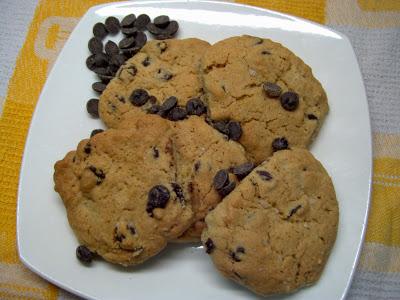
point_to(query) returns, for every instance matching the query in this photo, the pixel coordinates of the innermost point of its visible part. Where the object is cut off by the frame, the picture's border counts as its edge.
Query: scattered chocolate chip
(293, 211)
(265, 52)
(131, 228)
(84, 254)
(92, 107)
(91, 62)
(117, 60)
(178, 192)
(100, 30)
(168, 104)
(272, 89)
(264, 175)
(220, 179)
(96, 131)
(141, 21)
(195, 107)
(240, 249)
(227, 189)
(234, 130)
(119, 237)
(102, 71)
(312, 117)
(209, 246)
(162, 46)
(290, 101)
(128, 21)
(156, 153)
(280, 143)
(129, 31)
(172, 28)
(127, 42)
(221, 126)
(177, 114)
(101, 60)
(153, 29)
(105, 78)
(153, 99)
(243, 170)
(87, 149)
(146, 62)
(197, 166)
(154, 109)
(140, 39)
(95, 45)
(98, 172)
(99, 87)
(234, 256)
(139, 97)
(111, 48)
(157, 198)
(112, 25)
(164, 74)
(161, 21)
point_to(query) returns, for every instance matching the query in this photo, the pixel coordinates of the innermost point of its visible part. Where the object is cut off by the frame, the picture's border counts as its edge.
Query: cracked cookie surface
(246, 79)
(122, 195)
(161, 69)
(274, 232)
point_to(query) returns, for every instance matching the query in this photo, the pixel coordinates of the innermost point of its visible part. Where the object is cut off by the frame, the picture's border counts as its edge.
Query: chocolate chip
(220, 179)
(264, 175)
(142, 21)
(209, 246)
(156, 153)
(101, 60)
(157, 198)
(127, 42)
(164, 74)
(128, 21)
(234, 130)
(227, 189)
(172, 28)
(168, 104)
(221, 126)
(131, 228)
(92, 107)
(178, 192)
(161, 21)
(293, 211)
(153, 99)
(195, 107)
(243, 170)
(280, 143)
(177, 113)
(112, 25)
(100, 30)
(197, 166)
(129, 31)
(96, 131)
(99, 87)
(111, 48)
(162, 46)
(102, 71)
(154, 109)
(139, 97)
(312, 117)
(290, 101)
(91, 62)
(87, 149)
(98, 172)
(163, 36)
(272, 89)
(234, 256)
(240, 249)
(129, 52)
(105, 78)
(140, 39)
(84, 254)
(146, 62)
(153, 29)
(95, 45)
(117, 60)
(119, 237)
(265, 52)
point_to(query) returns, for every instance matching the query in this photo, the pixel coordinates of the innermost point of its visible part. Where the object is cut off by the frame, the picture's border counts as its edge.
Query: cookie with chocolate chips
(161, 69)
(266, 89)
(123, 197)
(273, 233)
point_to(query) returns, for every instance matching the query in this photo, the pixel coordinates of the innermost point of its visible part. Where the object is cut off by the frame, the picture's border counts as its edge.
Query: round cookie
(122, 195)
(270, 91)
(201, 152)
(161, 69)
(274, 232)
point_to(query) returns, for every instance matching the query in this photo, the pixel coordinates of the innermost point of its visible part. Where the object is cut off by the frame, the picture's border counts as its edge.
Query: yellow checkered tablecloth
(373, 27)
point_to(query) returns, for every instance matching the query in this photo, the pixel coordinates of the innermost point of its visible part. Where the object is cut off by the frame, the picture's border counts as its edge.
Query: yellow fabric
(52, 22)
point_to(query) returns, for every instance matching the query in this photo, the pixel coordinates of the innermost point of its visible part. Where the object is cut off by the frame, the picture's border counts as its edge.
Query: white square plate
(46, 243)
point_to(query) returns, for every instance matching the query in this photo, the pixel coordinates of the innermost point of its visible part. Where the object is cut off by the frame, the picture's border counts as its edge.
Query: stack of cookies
(207, 142)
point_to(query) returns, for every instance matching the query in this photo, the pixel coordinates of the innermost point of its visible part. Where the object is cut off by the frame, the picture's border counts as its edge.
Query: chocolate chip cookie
(267, 89)
(162, 78)
(274, 232)
(123, 197)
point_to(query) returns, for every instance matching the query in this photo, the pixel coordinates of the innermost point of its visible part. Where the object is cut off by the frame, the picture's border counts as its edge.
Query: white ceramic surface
(46, 243)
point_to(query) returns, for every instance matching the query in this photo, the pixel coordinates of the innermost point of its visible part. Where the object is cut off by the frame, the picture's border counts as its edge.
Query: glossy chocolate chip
(112, 25)
(178, 192)
(209, 246)
(92, 107)
(227, 189)
(221, 126)
(157, 198)
(264, 175)
(127, 42)
(290, 101)
(177, 114)
(243, 170)
(172, 28)
(91, 62)
(195, 107)
(153, 29)
(100, 30)
(128, 21)
(129, 31)
(272, 89)
(101, 60)
(96, 131)
(169, 104)
(117, 60)
(280, 143)
(99, 87)
(95, 45)
(111, 48)
(146, 62)
(139, 97)
(142, 21)
(140, 39)
(312, 117)
(234, 130)
(84, 254)
(105, 78)
(161, 21)
(220, 179)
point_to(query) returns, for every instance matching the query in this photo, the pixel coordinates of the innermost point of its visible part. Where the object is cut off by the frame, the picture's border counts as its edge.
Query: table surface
(33, 32)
